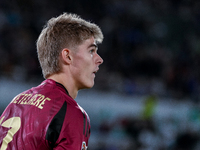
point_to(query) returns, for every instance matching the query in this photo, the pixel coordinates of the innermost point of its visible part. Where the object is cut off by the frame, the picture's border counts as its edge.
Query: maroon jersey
(42, 118)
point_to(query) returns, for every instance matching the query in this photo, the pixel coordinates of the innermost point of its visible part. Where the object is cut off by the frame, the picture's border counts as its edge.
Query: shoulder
(55, 91)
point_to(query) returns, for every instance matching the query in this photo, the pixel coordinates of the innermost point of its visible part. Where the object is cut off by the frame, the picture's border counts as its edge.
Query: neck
(66, 82)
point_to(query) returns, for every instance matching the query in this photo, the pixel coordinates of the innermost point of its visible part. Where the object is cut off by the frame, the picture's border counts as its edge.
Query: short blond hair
(65, 31)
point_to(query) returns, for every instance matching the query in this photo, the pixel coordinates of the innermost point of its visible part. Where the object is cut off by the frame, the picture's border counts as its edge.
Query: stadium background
(146, 95)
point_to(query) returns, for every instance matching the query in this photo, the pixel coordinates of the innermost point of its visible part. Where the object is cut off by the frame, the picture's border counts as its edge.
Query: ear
(66, 55)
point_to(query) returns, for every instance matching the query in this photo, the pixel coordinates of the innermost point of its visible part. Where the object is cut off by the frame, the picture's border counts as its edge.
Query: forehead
(88, 43)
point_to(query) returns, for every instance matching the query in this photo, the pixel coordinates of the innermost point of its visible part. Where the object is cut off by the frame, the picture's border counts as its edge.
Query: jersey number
(14, 124)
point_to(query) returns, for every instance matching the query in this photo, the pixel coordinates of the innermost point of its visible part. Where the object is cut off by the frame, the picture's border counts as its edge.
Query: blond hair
(64, 31)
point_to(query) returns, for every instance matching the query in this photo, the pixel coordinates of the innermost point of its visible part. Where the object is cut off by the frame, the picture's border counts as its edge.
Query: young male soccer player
(47, 116)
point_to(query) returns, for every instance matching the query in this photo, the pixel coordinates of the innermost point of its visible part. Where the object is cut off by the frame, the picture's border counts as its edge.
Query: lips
(96, 71)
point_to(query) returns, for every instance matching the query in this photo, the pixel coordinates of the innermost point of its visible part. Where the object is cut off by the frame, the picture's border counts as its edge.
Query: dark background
(151, 49)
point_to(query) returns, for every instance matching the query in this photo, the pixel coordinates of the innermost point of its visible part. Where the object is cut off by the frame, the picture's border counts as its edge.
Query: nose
(99, 60)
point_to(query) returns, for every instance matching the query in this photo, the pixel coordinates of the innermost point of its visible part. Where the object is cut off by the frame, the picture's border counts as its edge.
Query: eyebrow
(93, 45)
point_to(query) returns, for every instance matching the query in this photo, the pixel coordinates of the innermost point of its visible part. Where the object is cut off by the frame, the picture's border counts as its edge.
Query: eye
(92, 51)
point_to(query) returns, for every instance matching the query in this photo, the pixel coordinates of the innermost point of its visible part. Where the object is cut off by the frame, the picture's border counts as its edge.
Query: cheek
(83, 63)
(82, 68)
(86, 63)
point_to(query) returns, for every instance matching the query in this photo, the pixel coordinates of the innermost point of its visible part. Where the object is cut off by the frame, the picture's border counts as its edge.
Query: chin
(88, 86)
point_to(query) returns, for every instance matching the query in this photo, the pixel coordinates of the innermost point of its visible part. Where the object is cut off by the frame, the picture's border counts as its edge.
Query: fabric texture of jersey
(42, 118)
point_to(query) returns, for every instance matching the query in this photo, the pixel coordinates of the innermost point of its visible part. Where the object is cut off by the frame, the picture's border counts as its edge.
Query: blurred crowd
(147, 130)
(139, 134)
(150, 46)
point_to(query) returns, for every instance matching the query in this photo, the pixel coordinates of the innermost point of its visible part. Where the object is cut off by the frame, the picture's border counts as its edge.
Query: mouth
(95, 71)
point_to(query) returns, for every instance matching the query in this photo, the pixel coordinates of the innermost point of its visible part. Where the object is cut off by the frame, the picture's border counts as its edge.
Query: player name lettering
(37, 100)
